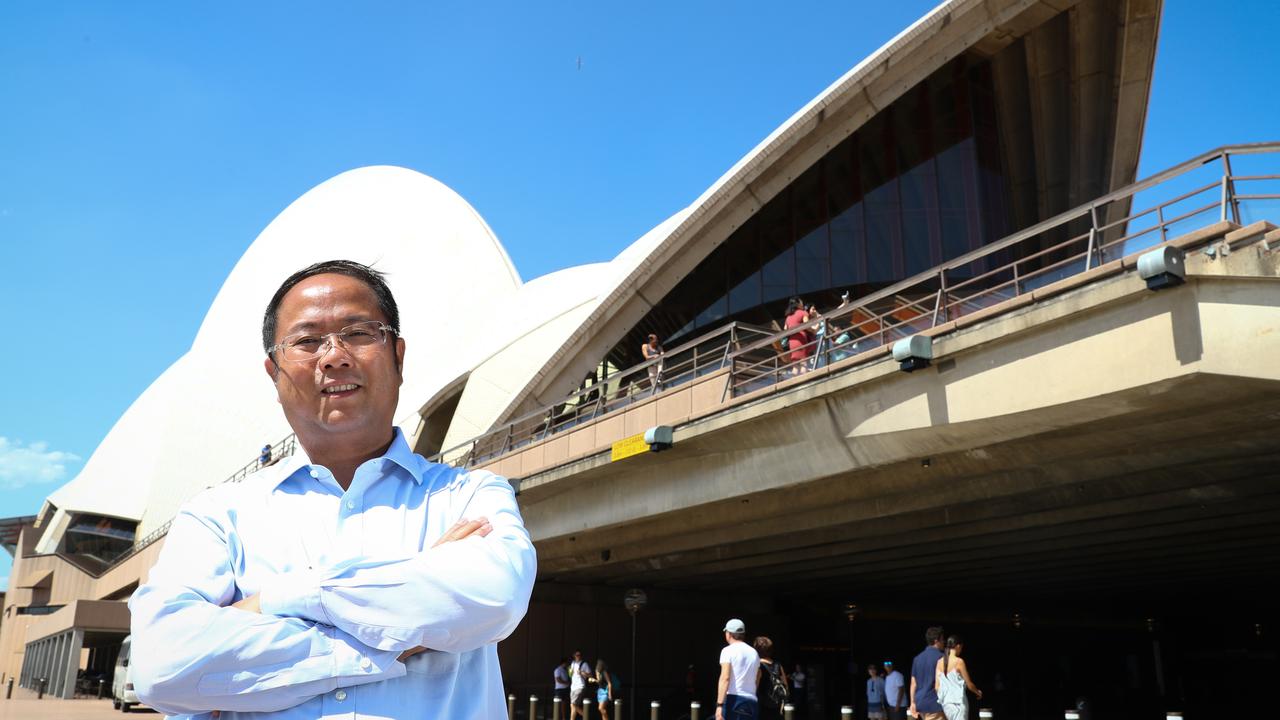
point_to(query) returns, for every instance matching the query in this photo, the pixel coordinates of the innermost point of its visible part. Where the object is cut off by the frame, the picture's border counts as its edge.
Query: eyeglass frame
(328, 341)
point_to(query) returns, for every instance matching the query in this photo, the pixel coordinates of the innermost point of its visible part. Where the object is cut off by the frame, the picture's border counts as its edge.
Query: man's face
(316, 395)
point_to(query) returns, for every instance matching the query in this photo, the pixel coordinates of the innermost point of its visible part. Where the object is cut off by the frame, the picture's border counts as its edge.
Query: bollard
(788, 712)
(617, 709)
(1071, 715)
(986, 714)
(694, 707)
(654, 707)
(511, 707)
(9, 693)
(102, 688)
(40, 688)
(846, 712)
(1173, 715)
(557, 708)
(586, 704)
(533, 707)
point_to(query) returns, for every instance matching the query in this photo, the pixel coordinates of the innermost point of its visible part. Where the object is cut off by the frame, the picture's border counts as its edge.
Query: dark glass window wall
(917, 185)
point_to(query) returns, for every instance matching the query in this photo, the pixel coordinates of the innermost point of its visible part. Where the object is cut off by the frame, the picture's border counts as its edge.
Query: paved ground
(24, 706)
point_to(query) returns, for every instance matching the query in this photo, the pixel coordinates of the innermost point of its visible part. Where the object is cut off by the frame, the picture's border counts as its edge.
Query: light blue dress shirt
(348, 581)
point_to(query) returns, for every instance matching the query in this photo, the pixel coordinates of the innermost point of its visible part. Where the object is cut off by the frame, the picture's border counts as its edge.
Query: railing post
(511, 707)
(9, 693)
(533, 707)
(654, 708)
(557, 708)
(617, 709)
(1225, 176)
(788, 712)
(1088, 253)
(1229, 191)
(694, 707)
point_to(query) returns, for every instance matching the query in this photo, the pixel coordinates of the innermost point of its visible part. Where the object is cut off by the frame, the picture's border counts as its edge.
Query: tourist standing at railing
(817, 331)
(652, 350)
(264, 458)
(798, 341)
(352, 578)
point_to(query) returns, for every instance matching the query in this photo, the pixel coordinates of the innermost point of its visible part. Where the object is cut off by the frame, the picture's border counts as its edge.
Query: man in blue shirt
(924, 698)
(353, 579)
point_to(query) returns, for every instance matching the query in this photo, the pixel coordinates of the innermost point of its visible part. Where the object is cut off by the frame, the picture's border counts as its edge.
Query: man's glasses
(302, 347)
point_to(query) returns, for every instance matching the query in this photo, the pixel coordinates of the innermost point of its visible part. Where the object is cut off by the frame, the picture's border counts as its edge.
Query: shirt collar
(398, 452)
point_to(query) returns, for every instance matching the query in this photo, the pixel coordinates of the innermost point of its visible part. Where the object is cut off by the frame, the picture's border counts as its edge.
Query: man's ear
(271, 367)
(400, 358)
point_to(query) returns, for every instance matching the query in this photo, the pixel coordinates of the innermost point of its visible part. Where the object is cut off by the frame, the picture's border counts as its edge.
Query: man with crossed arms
(354, 579)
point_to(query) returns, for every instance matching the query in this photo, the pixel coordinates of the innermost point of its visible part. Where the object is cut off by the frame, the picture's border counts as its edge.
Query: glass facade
(918, 184)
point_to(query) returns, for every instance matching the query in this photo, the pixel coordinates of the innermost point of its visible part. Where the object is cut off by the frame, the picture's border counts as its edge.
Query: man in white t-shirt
(579, 671)
(739, 664)
(561, 677)
(895, 692)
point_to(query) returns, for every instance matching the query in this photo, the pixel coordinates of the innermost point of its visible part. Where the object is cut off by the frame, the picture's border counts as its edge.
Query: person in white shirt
(561, 678)
(354, 579)
(895, 692)
(580, 673)
(739, 666)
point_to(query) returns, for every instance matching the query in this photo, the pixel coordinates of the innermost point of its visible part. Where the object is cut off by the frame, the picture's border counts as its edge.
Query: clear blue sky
(143, 147)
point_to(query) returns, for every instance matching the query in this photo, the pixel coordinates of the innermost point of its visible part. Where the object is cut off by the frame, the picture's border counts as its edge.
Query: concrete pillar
(55, 673)
(71, 662)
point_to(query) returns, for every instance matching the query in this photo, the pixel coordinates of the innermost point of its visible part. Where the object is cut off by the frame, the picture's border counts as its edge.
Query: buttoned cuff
(295, 594)
(356, 663)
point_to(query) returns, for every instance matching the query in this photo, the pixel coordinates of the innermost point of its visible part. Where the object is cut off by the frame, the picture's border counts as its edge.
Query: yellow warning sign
(626, 447)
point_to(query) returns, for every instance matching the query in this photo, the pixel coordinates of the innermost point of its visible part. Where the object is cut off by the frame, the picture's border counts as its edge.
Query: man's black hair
(374, 279)
(932, 635)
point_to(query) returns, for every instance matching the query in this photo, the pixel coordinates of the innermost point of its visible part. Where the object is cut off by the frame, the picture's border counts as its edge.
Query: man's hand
(719, 713)
(251, 603)
(410, 653)
(465, 528)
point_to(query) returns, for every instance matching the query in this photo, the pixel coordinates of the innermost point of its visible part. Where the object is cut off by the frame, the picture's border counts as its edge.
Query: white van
(122, 695)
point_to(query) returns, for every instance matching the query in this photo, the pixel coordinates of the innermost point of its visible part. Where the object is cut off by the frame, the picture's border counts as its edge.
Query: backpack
(778, 692)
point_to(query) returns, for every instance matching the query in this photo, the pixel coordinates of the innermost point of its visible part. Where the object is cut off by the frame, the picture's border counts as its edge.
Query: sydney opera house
(1038, 408)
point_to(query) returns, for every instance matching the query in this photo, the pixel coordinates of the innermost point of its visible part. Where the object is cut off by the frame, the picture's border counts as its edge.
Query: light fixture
(913, 353)
(658, 438)
(1162, 268)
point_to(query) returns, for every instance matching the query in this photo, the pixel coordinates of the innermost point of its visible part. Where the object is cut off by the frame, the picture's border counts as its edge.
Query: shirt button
(315, 474)
(351, 504)
(366, 663)
(340, 695)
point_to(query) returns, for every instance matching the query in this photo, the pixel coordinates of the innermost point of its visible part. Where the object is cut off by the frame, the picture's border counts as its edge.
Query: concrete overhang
(36, 579)
(89, 615)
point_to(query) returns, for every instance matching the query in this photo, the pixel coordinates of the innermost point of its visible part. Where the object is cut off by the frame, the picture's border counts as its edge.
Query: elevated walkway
(1098, 437)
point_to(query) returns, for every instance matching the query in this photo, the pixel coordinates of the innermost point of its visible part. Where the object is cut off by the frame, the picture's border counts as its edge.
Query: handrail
(910, 305)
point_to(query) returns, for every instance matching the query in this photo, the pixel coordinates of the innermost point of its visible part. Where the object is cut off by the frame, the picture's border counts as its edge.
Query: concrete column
(55, 674)
(71, 662)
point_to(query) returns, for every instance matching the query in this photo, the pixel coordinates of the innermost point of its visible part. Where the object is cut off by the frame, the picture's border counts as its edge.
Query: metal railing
(1076, 241)
(700, 356)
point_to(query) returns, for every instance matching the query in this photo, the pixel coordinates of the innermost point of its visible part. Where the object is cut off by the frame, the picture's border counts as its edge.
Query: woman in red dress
(797, 342)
